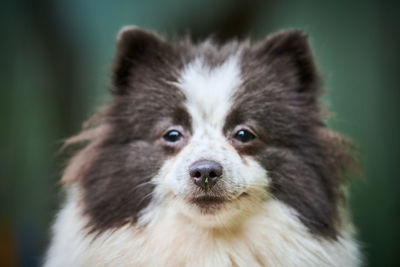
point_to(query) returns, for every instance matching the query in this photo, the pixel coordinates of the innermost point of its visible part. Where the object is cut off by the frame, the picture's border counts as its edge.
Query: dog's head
(211, 132)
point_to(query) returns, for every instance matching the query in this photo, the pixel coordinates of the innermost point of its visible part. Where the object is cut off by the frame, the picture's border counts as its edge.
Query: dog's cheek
(256, 177)
(118, 184)
(172, 179)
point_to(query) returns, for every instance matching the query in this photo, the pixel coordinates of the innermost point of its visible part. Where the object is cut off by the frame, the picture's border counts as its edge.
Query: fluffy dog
(208, 155)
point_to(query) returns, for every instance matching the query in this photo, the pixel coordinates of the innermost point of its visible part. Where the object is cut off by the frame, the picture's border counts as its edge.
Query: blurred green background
(55, 69)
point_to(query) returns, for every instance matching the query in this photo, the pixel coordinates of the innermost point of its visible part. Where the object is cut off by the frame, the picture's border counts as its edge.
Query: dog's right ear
(138, 51)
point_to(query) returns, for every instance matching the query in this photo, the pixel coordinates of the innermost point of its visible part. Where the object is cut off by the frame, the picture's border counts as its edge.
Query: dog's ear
(138, 51)
(288, 54)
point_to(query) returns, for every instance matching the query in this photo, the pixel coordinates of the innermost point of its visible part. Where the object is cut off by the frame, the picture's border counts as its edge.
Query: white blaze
(209, 90)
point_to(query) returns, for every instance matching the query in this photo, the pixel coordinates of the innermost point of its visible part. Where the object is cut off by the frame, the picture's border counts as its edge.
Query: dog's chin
(209, 204)
(215, 211)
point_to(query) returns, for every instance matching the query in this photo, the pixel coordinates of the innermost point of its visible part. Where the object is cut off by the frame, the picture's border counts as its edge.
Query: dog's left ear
(138, 52)
(288, 55)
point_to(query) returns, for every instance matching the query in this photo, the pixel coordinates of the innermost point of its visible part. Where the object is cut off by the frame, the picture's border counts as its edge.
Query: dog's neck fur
(271, 237)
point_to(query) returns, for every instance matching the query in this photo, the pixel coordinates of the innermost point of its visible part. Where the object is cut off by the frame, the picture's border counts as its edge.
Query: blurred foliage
(56, 57)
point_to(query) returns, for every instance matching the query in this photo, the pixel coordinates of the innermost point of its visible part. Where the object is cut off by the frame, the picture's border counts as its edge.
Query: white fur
(272, 237)
(209, 90)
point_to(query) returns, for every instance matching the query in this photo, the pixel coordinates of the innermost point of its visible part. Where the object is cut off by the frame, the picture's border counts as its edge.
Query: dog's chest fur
(273, 237)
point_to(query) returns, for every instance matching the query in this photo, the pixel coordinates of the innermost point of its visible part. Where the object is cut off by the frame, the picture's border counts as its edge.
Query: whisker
(143, 184)
(145, 197)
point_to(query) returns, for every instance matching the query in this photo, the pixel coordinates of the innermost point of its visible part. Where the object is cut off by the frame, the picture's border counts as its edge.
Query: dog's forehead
(209, 89)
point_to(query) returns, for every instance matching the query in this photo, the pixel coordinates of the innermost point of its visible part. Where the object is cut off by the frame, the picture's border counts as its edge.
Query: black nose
(205, 173)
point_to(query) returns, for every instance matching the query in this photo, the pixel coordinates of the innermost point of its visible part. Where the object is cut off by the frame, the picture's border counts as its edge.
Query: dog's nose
(205, 173)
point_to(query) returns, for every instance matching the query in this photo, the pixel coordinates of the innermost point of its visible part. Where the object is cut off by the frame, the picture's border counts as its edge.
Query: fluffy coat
(131, 200)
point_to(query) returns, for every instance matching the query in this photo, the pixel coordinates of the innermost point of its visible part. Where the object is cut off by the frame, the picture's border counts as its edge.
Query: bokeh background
(55, 66)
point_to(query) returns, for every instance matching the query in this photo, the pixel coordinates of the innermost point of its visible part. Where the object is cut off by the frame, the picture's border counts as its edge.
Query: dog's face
(212, 132)
(210, 173)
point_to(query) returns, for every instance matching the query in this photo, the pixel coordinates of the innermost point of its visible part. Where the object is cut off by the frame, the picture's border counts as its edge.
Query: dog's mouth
(208, 204)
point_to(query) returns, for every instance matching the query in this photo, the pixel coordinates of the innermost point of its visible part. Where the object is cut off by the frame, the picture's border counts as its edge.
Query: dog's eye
(244, 136)
(172, 136)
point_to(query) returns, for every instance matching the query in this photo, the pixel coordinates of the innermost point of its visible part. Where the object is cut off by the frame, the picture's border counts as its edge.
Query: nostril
(197, 174)
(212, 174)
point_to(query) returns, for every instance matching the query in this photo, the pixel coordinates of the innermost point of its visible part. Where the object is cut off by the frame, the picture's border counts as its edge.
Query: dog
(208, 155)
